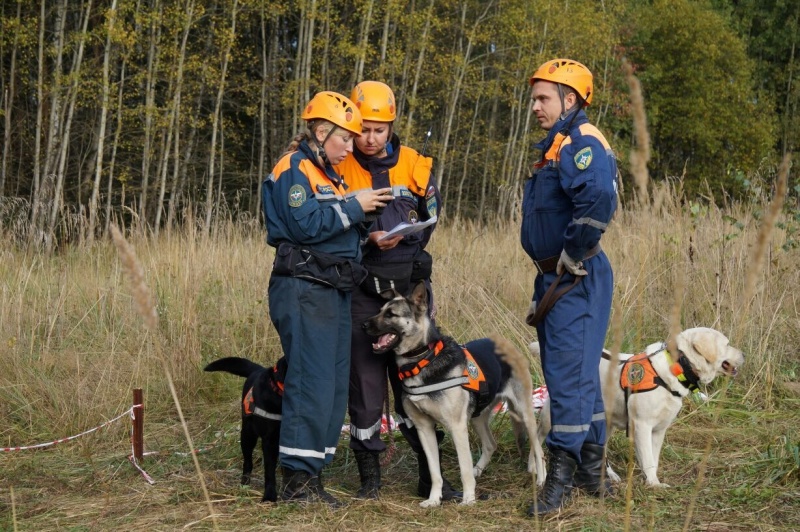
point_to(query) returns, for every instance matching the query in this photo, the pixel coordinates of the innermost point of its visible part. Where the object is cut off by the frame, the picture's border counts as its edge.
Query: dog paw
(467, 502)
(430, 503)
(477, 471)
(656, 484)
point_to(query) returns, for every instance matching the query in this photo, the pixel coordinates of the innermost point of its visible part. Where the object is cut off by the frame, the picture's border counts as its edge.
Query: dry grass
(75, 345)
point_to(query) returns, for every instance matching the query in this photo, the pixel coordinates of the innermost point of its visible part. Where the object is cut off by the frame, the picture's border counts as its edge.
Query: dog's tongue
(383, 342)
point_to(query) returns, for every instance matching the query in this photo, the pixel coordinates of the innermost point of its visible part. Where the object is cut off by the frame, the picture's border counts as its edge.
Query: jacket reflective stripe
(301, 452)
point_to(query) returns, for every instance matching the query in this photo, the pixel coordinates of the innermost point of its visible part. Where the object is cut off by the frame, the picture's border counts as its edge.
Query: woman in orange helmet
(380, 160)
(316, 230)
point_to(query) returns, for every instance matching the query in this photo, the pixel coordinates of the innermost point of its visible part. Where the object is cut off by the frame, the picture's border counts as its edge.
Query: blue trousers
(313, 322)
(571, 338)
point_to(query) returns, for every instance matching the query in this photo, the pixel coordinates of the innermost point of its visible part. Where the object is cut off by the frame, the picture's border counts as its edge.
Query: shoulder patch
(583, 158)
(431, 203)
(297, 195)
(325, 189)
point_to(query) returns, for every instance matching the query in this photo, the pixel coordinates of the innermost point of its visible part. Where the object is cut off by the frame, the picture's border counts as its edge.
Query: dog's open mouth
(729, 368)
(385, 342)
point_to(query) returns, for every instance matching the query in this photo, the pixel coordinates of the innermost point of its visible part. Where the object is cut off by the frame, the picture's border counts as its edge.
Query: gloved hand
(531, 312)
(573, 267)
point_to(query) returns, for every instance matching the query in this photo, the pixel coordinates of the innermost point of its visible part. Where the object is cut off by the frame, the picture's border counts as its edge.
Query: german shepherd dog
(434, 368)
(262, 399)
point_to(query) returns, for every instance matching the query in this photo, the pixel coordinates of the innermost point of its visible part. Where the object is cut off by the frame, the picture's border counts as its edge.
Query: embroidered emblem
(413, 217)
(583, 158)
(430, 201)
(472, 369)
(635, 373)
(297, 195)
(405, 193)
(325, 189)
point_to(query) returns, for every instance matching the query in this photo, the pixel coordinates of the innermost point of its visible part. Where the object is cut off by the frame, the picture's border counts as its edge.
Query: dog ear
(706, 344)
(419, 296)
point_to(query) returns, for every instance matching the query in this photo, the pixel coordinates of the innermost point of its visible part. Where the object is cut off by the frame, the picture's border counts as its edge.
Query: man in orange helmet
(316, 229)
(567, 205)
(380, 160)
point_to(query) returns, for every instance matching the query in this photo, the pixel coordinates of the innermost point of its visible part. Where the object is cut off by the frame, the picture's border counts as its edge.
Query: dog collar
(430, 351)
(684, 371)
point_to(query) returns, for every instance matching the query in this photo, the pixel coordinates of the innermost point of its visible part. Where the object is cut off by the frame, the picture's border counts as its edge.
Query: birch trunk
(75, 74)
(8, 96)
(174, 119)
(37, 151)
(363, 44)
(418, 73)
(215, 122)
(112, 15)
(114, 147)
(152, 67)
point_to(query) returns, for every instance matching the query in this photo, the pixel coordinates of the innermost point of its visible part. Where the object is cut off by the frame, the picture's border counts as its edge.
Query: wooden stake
(138, 424)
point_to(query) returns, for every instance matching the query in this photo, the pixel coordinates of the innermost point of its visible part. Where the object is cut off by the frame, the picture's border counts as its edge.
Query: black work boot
(590, 475)
(555, 492)
(369, 469)
(425, 483)
(300, 486)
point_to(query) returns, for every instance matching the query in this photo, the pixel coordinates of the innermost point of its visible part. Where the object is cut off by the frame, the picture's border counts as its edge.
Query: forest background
(163, 118)
(144, 110)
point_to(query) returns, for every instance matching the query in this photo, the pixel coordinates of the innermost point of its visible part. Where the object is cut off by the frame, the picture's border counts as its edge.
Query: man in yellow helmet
(380, 160)
(316, 230)
(567, 205)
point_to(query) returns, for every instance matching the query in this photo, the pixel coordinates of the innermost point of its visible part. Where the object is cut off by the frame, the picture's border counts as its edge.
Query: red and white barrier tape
(538, 397)
(68, 438)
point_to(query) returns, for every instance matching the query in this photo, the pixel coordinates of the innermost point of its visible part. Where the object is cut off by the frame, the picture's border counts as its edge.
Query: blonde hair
(313, 127)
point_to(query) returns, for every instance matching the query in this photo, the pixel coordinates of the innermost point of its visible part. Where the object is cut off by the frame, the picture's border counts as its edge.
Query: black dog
(262, 399)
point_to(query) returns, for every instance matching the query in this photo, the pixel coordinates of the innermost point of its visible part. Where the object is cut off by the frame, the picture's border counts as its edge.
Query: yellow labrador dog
(645, 392)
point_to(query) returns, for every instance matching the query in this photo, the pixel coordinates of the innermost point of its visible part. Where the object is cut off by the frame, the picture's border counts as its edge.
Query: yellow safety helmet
(334, 108)
(567, 72)
(375, 100)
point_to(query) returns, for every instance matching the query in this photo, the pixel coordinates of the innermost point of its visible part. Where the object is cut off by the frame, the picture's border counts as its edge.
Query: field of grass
(75, 342)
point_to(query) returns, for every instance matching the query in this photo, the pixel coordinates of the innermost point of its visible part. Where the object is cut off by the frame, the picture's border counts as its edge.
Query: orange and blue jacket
(306, 204)
(416, 197)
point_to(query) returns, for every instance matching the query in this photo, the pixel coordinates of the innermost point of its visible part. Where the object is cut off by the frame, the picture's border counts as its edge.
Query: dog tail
(520, 366)
(534, 348)
(235, 365)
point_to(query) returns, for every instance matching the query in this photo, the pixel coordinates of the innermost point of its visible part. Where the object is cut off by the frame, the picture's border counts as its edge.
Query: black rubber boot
(590, 475)
(299, 486)
(425, 483)
(369, 469)
(558, 485)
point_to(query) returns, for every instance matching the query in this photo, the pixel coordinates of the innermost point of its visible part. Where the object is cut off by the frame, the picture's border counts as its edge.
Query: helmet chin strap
(320, 145)
(561, 97)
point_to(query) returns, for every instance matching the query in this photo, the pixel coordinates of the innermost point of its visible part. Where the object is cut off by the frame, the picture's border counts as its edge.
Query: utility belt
(323, 268)
(400, 276)
(554, 293)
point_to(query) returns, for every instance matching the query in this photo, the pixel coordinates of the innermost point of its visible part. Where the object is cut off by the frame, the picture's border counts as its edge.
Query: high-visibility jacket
(416, 197)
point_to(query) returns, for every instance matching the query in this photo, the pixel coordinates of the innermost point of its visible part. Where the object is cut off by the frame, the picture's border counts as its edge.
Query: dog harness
(637, 374)
(473, 380)
(249, 403)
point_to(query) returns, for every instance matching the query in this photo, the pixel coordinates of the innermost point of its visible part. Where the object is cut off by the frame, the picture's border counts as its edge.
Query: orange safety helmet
(375, 100)
(334, 108)
(567, 72)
